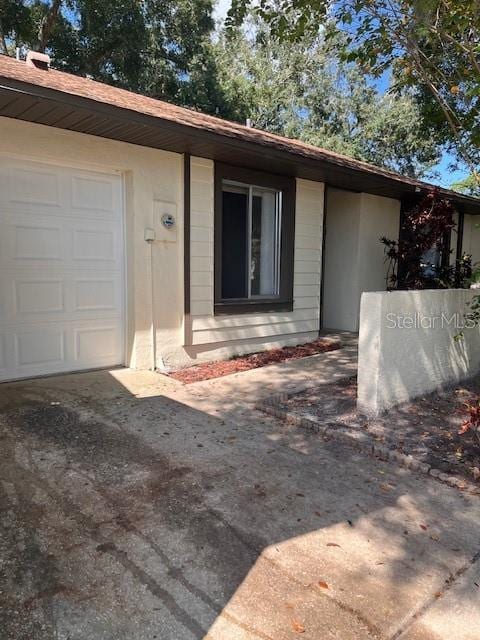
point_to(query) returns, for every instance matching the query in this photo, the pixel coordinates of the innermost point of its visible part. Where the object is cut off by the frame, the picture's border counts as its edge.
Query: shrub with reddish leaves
(425, 227)
(472, 423)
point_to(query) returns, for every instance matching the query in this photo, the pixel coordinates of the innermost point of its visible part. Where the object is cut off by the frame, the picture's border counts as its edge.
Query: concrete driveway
(135, 508)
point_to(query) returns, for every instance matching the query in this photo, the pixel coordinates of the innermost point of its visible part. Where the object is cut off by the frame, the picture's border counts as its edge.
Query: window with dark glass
(254, 237)
(251, 237)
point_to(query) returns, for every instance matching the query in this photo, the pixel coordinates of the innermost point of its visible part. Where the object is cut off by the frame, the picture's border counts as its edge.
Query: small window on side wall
(254, 241)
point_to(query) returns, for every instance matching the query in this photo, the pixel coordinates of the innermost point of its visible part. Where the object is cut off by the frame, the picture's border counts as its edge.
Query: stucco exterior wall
(213, 336)
(341, 277)
(153, 186)
(471, 237)
(354, 258)
(407, 346)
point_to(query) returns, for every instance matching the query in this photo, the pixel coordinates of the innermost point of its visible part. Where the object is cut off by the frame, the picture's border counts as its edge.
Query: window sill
(256, 306)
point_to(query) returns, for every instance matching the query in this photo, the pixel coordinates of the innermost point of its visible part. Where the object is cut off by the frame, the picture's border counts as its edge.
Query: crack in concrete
(449, 583)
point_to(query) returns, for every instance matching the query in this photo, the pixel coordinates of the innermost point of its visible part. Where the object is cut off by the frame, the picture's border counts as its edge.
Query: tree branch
(405, 40)
(47, 25)
(3, 42)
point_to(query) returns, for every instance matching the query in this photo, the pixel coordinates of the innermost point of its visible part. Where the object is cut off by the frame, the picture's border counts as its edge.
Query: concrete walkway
(136, 508)
(235, 394)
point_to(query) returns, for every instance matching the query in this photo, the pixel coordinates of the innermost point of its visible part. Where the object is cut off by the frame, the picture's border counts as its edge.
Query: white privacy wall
(354, 257)
(407, 346)
(209, 336)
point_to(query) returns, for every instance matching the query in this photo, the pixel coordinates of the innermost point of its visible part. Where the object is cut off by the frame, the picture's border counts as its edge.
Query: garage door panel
(76, 296)
(27, 240)
(30, 184)
(37, 242)
(28, 243)
(4, 183)
(61, 269)
(96, 345)
(34, 186)
(6, 301)
(38, 347)
(59, 190)
(3, 360)
(93, 194)
(37, 296)
(96, 294)
(47, 348)
(95, 244)
(62, 212)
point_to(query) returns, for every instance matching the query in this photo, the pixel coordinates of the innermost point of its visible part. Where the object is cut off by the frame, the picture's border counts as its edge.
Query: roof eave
(51, 107)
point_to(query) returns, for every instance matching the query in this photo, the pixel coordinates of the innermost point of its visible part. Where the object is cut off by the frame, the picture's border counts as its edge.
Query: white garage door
(61, 269)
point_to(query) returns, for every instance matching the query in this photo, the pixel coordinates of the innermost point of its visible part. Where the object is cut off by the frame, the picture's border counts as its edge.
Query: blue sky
(221, 8)
(446, 175)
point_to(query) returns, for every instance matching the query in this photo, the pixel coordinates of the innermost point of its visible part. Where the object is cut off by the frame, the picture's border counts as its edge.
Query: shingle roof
(102, 93)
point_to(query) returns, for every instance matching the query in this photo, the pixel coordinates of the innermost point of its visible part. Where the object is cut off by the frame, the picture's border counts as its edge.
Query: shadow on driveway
(128, 517)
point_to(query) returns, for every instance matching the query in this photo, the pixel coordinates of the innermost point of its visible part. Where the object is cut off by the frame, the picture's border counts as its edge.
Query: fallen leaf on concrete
(385, 487)
(332, 544)
(323, 584)
(424, 527)
(298, 626)
(434, 537)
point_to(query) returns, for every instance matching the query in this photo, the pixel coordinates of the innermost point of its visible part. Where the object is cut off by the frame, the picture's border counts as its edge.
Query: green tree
(28, 24)
(433, 46)
(158, 47)
(469, 185)
(305, 90)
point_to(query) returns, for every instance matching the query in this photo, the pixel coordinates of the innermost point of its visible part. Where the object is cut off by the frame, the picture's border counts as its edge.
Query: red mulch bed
(221, 368)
